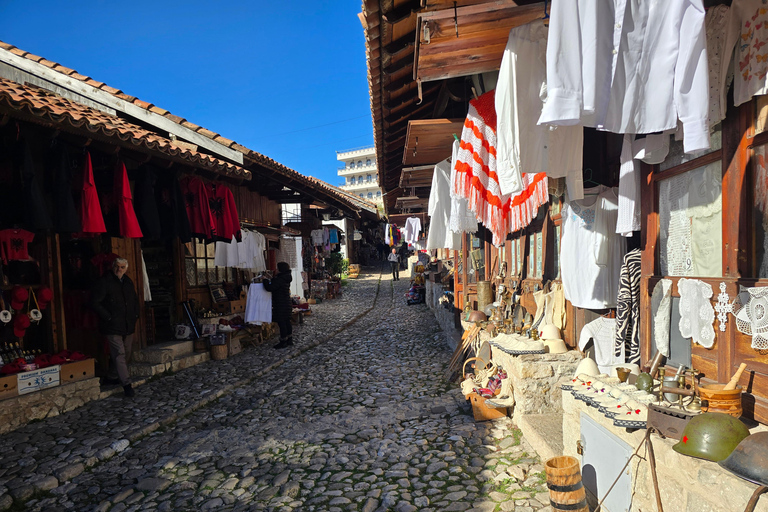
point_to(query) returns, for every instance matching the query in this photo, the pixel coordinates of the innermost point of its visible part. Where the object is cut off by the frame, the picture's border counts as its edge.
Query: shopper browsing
(394, 260)
(280, 286)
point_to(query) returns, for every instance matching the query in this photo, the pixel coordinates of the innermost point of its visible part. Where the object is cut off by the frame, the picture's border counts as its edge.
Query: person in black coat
(114, 299)
(280, 286)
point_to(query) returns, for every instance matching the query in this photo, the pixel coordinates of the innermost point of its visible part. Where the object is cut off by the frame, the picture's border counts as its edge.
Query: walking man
(115, 301)
(280, 286)
(394, 260)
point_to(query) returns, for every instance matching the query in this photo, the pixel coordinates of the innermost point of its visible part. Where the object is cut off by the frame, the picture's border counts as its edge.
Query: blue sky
(286, 79)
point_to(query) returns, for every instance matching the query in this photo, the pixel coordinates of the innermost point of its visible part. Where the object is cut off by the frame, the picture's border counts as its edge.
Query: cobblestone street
(356, 416)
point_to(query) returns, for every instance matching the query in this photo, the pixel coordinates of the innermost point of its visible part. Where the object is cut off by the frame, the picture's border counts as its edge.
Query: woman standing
(280, 286)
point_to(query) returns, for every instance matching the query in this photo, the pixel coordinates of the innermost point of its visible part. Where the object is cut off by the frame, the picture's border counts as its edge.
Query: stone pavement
(357, 416)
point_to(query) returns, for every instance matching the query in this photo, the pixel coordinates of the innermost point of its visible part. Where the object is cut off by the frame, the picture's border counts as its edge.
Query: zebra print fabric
(627, 342)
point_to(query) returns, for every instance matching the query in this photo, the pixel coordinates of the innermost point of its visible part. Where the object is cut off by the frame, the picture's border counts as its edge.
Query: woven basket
(218, 352)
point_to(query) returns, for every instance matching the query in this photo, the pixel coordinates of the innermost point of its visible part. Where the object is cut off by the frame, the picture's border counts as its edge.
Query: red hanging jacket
(129, 225)
(222, 206)
(90, 210)
(201, 221)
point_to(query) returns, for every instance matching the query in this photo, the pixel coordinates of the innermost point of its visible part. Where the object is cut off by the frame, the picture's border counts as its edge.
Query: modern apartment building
(361, 177)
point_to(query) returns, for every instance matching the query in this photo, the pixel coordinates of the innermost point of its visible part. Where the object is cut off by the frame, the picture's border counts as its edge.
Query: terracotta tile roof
(44, 106)
(248, 153)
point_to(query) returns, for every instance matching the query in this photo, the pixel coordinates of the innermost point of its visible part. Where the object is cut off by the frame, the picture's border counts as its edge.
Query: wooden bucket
(200, 345)
(727, 402)
(566, 491)
(218, 352)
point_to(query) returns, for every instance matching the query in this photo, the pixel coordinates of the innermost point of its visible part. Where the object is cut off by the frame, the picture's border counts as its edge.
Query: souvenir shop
(606, 248)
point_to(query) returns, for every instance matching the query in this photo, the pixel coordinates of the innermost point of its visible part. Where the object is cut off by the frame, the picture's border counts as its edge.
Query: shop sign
(39, 379)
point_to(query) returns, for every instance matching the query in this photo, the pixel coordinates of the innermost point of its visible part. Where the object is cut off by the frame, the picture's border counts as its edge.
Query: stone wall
(443, 316)
(686, 484)
(20, 410)
(536, 379)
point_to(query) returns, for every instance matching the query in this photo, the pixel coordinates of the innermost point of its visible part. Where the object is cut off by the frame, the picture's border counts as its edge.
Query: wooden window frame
(731, 347)
(195, 258)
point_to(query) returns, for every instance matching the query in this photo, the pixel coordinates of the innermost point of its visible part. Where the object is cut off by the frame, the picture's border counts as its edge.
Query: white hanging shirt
(439, 236)
(628, 216)
(603, 333)
(522, 146)
(622, 66)
(317, 236)
(746, 30)
(226, 254)
(462, 219)
(412, 230)
(258, 305)
(591, 252)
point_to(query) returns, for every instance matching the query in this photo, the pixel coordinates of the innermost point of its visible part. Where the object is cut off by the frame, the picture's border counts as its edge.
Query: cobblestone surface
(357, 417)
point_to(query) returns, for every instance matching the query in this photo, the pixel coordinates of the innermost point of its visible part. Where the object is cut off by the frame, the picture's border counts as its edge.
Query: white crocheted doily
(696, 312)
(750, 307)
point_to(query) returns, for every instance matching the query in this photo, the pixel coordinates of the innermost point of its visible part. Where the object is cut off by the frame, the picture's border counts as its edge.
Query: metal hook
(456, 18)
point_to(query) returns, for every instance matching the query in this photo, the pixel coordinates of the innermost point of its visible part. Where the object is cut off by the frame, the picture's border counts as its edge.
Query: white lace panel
(690, 222)
(661, 309)
(696, 312)
(750, 308)
(715, 21)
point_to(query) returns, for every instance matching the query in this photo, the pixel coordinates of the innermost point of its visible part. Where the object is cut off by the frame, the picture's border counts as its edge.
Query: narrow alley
(355, 416)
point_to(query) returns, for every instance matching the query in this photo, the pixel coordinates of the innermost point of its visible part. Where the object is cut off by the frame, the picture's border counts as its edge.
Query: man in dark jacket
(114, 299)
(280, 286)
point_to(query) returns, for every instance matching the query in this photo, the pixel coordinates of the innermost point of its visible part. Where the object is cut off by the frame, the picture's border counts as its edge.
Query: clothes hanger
(546, 14)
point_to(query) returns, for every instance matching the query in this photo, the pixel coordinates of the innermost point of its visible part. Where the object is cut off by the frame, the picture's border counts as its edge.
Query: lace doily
(750, 307)
(661, 309)
(723, 307)
(696, 313)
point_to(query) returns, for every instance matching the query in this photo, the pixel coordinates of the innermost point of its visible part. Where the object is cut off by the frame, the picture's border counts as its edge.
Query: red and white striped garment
(476, 177)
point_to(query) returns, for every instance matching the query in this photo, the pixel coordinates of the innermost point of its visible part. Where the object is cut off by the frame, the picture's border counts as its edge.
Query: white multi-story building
(361, 177)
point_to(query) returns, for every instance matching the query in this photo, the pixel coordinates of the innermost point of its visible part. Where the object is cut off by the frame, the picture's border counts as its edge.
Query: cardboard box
(9, 387)
(78, 370)
(36, 380)
(230, 307)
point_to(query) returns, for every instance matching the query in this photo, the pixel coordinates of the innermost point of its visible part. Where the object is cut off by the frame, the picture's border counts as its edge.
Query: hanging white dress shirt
(462, 219)
(522, 146)
(629, 66)
(439, 236)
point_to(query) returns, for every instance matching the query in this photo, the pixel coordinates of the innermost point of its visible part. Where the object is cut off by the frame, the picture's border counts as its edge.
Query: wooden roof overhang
(429, 141)
(393, 30)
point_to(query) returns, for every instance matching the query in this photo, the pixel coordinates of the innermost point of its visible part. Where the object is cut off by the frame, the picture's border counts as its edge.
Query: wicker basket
(218, 352)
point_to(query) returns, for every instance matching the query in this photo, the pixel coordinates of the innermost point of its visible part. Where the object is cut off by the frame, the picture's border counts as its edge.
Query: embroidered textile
(747, 31)
(201, 221)
(723, 307)
(696, 313)
(221, 201)
(627, 342)
(14, 244)
(91, 217)
(477, 179)
(661, 310)
(258, 305)
(412, 230)
(750, 307)
(439, 210)
(716, 21)
(129, 224)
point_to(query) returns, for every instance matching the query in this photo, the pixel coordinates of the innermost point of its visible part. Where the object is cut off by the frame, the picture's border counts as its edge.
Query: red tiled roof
(248, 153)
(44, 105)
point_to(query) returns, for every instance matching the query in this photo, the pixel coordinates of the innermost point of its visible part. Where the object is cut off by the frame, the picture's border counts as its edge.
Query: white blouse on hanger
(439, 236)
(258, 305)
(591, 251)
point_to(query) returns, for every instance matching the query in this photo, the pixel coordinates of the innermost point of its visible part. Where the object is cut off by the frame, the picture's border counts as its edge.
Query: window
(351, 164)
(378, 193)
(362, 196)
(368, 162)
(199, 266)
(368, 178)
(359, 163)
(370, 195)
(291, 213)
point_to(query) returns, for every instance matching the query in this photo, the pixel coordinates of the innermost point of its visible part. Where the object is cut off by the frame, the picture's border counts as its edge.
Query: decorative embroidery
(587, 215)
(750, 307)
(723, 307)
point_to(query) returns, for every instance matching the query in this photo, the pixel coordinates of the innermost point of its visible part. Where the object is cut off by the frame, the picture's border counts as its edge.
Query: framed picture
(218, 294)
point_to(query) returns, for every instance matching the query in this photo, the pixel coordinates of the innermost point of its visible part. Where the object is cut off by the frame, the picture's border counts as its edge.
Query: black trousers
(286, 329)
(395, 269)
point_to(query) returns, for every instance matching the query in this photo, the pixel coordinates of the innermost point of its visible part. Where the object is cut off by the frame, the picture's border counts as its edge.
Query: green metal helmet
(644, 381)
(750, 459)
(712, 436)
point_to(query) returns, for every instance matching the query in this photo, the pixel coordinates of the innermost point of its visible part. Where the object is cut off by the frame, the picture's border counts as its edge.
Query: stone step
(544, 432)
(173, 365)
(163, 352)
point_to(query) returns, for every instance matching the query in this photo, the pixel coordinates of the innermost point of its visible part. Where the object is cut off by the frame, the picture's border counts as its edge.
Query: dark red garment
(201, 221)
(222, 205)
(90, 208)
(14, 244)
(129, 225)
